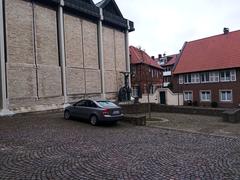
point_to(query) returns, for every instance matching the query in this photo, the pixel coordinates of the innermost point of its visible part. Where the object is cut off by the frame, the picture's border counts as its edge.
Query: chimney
(153, 57)
(225, 30)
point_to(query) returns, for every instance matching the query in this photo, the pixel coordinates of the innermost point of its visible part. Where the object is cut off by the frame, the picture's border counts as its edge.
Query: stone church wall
(33, 66)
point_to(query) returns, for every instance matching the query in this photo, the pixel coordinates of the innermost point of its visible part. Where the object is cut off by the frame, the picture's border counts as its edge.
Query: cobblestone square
(45, 146)
(212, 125)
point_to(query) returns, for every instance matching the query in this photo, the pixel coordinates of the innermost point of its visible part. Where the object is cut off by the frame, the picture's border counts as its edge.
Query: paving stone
(45, 146)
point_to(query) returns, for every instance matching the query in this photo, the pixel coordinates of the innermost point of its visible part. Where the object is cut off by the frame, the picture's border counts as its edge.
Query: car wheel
(93, 120)
(67, 115)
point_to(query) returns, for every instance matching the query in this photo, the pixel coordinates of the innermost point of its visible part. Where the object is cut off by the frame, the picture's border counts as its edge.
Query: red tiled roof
(139, 56)
(212, 53)
(172, 61)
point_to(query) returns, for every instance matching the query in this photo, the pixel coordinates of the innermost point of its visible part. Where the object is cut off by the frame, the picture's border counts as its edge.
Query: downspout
(127, 52)
(4, 111)
(62, 50)
(100, 54)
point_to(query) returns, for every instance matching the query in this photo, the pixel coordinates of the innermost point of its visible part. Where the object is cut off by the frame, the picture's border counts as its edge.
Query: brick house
(57, 51)
(146, 72)
(208, 71)
(168, 64)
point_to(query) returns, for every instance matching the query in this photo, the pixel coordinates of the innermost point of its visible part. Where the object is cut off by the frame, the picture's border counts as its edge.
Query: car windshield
(106, 104)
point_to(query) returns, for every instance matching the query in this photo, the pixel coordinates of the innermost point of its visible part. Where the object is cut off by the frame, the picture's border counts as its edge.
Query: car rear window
(106, 104)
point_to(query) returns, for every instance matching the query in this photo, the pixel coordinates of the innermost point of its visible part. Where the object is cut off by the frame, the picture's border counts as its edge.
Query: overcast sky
(164, 25)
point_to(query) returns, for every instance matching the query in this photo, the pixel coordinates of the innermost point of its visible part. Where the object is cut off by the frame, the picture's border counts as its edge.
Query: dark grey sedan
(94, 111)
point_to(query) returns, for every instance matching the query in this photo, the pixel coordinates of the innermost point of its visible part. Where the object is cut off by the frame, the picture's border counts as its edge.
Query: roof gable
(172, 61)
(212, 53)
(84, 8)
(139, 56)
(110, 6)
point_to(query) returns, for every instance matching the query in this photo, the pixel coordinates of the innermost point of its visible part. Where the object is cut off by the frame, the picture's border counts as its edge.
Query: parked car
(94, 111)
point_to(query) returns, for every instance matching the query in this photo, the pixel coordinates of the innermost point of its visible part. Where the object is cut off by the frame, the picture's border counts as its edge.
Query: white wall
(153, 98)
(171, 98)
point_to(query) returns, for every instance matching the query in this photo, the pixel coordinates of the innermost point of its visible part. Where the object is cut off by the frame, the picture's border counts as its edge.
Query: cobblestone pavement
(195, 123)
(49, 147)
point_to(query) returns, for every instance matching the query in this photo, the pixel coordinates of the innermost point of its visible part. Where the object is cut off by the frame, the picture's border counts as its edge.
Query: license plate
(116, 112)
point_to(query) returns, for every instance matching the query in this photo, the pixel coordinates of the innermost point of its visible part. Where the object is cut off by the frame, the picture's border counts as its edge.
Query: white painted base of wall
(153, 98)
(6, 112)
(174, 99)
(66, 105)
(38, 108)
(103, 96)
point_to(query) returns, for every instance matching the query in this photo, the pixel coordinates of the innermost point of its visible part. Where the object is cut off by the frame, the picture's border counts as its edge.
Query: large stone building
(57, 51)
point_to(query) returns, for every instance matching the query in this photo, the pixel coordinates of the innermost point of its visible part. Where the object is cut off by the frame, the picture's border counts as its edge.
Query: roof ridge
(143, 57)
(211, 53)
(230, 32)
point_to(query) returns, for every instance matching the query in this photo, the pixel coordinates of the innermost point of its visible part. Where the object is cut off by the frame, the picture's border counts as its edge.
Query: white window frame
(151, 89)
(232, 76)
(214, 76)
(225, 90)
(188, 77)
(180, 79)
(205, 77)
(205, 91)
(195, 78)
(188, 99)
(225, 78)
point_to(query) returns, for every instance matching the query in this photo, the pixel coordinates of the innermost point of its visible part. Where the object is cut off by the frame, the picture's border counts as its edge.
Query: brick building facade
(57, 51)
(208, 71)
(147, 74)
(225, 94)
(168, 64)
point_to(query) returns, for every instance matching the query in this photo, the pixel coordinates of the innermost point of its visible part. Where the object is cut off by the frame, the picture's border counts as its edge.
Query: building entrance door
(162, 97)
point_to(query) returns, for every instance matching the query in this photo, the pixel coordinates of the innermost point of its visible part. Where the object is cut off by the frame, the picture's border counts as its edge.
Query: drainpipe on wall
(127, 51)
(62, 50)
(4, 111)
(100, 54)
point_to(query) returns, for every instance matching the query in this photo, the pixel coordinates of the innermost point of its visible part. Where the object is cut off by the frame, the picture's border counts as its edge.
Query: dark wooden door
(162, 97)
